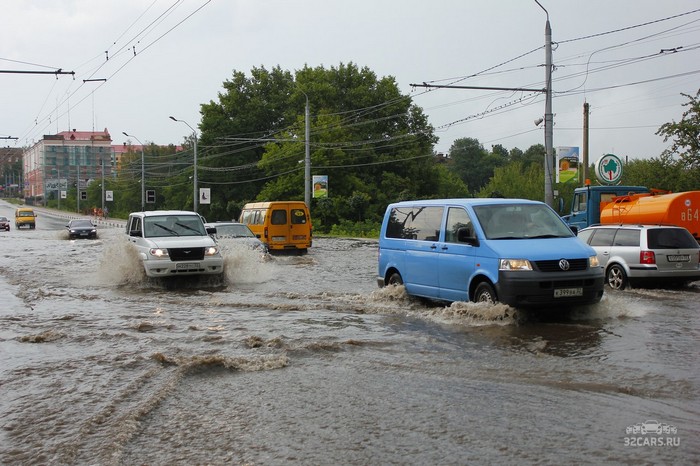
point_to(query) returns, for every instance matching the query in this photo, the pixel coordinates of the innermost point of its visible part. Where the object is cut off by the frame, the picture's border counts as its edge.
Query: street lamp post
(195, 197)
(143, 174)
(58, 190)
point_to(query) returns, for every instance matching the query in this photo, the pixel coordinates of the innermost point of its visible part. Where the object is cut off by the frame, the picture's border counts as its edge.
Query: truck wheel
(485, 293)
(616, 277)
(395, 279)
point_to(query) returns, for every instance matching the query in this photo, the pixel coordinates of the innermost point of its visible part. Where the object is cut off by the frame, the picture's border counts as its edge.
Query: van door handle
(433, 247)
(444, 248)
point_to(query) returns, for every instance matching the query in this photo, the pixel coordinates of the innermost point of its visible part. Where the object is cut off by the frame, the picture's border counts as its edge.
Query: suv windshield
(520, 221)
(173, 225)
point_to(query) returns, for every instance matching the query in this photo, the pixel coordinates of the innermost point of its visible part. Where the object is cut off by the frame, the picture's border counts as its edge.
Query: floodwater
(303, 360)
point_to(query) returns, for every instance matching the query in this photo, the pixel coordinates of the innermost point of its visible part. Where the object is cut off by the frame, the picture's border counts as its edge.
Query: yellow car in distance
(25, 216)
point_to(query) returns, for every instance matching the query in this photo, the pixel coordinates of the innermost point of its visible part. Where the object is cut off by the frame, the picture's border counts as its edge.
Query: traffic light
(150, 196)
(83, 195)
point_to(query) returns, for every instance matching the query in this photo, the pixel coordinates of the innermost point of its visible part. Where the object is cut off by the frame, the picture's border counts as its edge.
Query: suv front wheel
(616, 277)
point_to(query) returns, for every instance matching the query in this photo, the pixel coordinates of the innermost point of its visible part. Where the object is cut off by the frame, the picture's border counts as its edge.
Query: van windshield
(520, 221)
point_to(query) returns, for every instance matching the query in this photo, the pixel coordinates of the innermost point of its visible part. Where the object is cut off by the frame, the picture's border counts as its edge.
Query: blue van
(514, 251)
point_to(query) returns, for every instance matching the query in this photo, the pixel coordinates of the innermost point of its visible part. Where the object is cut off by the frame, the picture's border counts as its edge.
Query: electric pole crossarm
(486, 88)
(57, 72)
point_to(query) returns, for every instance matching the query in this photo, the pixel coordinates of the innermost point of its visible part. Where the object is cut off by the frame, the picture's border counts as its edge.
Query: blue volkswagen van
(514, 251)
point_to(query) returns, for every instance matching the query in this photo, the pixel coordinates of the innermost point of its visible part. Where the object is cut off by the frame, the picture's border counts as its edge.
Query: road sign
(109, 195)
(150, 196)
(205, 195)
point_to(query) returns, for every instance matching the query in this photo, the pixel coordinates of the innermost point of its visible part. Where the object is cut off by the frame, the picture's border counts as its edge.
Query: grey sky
(183, 56)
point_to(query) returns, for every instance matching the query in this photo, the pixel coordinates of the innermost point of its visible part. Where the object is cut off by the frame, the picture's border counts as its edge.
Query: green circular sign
(608, 169)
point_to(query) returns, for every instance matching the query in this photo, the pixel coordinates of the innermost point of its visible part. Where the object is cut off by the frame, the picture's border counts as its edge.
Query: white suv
(173, 243)
(656, 254)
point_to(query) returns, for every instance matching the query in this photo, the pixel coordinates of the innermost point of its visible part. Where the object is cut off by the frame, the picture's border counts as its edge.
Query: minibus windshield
(520, 221)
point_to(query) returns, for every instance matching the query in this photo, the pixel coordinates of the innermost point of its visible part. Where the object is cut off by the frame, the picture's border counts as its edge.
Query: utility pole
(548, 120)
(584, 162)
(307, 157)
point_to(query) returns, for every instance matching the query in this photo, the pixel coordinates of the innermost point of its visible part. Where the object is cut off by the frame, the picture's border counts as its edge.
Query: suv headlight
(593, 262)
(514, 264)
(211, 251)
(158, 252)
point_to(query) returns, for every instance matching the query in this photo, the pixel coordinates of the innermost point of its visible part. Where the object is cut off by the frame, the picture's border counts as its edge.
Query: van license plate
(187, 266)
(568, 292)
(679, 258)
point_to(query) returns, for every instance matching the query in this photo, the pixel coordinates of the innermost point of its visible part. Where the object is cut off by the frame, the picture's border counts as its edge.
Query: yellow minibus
(281, 225)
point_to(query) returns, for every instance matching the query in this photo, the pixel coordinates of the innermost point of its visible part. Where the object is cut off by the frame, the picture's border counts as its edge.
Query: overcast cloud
(167, 57)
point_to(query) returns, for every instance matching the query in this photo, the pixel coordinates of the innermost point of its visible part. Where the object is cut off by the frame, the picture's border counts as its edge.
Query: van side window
(298, 217)
(457, 218)
(580, 200)
(279, 217)
(420, 223)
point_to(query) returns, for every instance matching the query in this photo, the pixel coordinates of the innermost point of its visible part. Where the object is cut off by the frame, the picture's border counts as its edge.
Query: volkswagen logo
(564, 264)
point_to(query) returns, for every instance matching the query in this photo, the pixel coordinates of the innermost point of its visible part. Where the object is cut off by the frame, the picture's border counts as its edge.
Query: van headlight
(158, 252)
(514, 264)
(593, 262)
(211, 251)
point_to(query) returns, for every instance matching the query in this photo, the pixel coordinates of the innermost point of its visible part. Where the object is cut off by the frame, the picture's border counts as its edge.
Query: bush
(365, 229)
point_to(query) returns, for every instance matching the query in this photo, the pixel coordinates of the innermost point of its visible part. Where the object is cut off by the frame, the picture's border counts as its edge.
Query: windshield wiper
(187, 227)
(170, 230)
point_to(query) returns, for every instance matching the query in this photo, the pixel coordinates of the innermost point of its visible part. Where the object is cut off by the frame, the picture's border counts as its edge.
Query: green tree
(372, 142)
(469, 157)
(664, 172)
(686, 133)
(516, 181)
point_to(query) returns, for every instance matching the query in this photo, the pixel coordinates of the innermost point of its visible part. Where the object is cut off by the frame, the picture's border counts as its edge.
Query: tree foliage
(371, 141)
(686, 133)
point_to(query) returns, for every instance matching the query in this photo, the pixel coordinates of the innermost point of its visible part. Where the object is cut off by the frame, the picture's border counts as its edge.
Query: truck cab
(588, 202)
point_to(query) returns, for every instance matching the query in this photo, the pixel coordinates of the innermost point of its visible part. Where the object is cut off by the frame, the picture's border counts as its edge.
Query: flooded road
(302, 360)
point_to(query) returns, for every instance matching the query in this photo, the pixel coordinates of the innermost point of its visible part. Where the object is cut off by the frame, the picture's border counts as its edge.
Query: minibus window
(422, 223)
(298, 217)
(457, 218)
(279, 217)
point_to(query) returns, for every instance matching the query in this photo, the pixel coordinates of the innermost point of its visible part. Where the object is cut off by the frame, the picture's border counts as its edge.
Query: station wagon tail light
(211, 251)
(593, 262)
(647, 257)
(514, 264)
(158, 252)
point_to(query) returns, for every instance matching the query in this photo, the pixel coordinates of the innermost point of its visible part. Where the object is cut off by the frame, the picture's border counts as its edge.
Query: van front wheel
(485, 293)
(395, 279)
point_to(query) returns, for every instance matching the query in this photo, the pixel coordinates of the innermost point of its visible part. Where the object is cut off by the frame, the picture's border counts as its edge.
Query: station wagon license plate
(187, 266)
(679, 258)
(568, 292)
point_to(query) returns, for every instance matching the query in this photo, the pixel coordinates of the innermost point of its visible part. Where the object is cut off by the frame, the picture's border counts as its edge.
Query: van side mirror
(574, 229)
(466, 235)
(135, 233)
(211, 230)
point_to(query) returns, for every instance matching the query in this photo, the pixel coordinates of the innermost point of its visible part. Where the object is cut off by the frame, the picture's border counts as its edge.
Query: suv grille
(553, 265)
(186, 254)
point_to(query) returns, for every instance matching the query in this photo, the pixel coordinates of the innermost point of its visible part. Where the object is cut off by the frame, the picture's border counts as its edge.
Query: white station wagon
(174, 243)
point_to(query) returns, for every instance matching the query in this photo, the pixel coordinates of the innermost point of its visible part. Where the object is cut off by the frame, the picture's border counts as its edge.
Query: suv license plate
(679, 258)
(568, 292)
(187, 266)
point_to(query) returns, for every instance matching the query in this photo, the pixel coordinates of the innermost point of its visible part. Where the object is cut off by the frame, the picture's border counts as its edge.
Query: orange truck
(635, 204)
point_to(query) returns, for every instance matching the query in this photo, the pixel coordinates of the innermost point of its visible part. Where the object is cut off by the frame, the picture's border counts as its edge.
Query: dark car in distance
(81, 228)
(4, 224)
